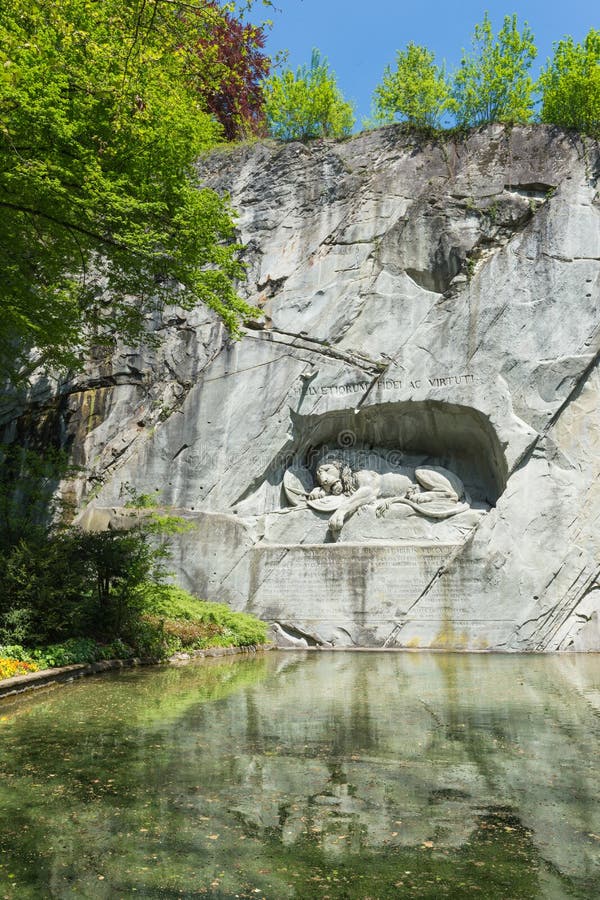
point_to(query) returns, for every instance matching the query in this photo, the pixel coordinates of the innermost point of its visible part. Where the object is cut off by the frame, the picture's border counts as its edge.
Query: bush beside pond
(170, 620)
(71, 596)
(196, 624)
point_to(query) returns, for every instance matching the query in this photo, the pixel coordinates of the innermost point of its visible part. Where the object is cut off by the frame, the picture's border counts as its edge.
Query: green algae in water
(317, 775)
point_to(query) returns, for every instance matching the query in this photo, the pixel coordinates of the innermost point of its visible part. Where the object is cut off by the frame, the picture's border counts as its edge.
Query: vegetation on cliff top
(307, 103)
(570, 85)
(107, 106)
(491, 84)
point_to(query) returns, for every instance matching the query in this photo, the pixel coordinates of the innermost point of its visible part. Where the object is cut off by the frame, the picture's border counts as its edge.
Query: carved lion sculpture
(431, 491)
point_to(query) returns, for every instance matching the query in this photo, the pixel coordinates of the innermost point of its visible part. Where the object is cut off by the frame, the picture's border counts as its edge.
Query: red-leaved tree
(226, 65)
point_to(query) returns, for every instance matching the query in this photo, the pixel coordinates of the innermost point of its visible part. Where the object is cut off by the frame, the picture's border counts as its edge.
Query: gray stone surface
(438, 301)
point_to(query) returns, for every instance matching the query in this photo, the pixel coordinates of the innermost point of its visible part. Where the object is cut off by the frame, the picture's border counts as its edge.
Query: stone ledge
(182, 658)
(18, 684)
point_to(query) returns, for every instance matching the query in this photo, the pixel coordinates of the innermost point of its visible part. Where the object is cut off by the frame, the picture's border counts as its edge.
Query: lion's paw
(336, 521)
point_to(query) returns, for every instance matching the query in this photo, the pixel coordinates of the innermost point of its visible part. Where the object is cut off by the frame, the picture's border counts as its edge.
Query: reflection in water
(308, 775)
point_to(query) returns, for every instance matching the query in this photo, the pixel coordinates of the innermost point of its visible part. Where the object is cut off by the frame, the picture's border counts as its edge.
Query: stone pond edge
(18, 684)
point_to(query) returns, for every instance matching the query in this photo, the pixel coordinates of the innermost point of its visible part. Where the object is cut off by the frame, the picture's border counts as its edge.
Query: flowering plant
(10, 667)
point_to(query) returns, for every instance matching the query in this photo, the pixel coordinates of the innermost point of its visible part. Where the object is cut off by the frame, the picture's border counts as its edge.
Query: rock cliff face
(427, 307)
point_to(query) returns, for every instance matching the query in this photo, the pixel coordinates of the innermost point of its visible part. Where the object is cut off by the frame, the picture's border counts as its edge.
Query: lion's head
(336, 477)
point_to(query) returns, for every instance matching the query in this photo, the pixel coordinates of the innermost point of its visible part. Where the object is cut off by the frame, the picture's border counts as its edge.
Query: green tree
(570, 85)
(102, 221)
(307, 104)
(417, 91)
(492, 83)
(65, 582)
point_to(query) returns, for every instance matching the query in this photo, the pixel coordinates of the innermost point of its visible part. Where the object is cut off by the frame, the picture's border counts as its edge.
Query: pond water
(308, 775)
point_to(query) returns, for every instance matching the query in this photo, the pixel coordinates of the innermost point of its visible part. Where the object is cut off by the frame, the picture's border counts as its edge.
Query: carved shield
(298, 482)
(328, 503)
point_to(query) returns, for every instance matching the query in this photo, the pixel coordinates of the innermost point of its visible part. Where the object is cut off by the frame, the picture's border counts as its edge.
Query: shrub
(16, 625)
(16, 651)
(492, 83)
(70, 652)
(417, 92)
(307, 104)
(87, 650)
(570, 85)
(169, 601)
(183, 634)
(239, 629)
(149, 639)
(117, 649)
(200, 623)
(43, 593)
(70, 582)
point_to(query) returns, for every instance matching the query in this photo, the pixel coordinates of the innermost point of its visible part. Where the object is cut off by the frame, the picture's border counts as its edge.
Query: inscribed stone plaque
(343, 581)
(392, 592)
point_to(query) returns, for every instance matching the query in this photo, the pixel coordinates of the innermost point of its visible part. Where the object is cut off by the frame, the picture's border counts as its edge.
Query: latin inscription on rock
(375, 584)
(446, 380)
(344, 579)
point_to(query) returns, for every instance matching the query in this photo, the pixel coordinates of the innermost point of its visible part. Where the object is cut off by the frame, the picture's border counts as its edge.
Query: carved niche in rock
(342, 484)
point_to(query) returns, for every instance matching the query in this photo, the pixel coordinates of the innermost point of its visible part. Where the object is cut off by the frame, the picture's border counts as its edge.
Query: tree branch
(70, 226)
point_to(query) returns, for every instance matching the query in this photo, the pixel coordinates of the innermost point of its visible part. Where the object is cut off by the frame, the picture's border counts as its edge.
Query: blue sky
(360, 38)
